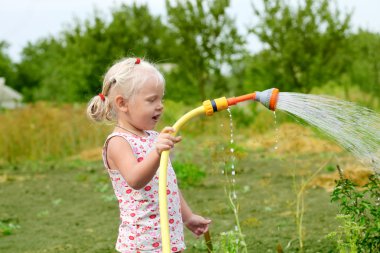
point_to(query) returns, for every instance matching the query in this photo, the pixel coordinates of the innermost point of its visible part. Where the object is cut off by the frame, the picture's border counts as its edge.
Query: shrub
(188, 174)
(360, 213)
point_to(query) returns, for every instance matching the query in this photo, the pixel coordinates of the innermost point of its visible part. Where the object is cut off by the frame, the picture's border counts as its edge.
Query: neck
(140, 133)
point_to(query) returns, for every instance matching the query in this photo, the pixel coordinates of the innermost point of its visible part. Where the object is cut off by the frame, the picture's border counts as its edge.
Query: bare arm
(138, 174)
(195, 223)
(185, 209)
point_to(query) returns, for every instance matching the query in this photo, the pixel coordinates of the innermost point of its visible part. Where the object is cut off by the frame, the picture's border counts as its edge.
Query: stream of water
(354, 127)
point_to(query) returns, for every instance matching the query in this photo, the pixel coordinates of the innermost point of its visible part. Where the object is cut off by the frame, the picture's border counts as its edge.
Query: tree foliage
(207, 41)
(7, 69)
(304, 43)
(365, 68)
(70, 67)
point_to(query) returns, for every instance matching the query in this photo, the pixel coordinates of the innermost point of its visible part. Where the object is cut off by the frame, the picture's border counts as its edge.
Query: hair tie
(137, 61)
(102, 97)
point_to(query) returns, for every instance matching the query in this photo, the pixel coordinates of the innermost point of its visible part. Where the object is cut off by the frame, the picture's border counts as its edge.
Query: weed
(300, 207)
(188, 174)
(7, 227)
(360, 215)
(232, 242)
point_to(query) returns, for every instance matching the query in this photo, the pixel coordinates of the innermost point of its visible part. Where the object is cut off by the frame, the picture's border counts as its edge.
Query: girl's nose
(160, 106)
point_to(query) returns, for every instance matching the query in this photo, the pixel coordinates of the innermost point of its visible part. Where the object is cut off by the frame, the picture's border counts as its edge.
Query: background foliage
(306, 45)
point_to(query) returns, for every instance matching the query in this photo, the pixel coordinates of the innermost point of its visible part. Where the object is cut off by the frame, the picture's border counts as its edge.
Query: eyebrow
(151, 96)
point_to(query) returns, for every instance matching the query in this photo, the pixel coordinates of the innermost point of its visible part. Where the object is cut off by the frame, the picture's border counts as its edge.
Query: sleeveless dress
(139, 229)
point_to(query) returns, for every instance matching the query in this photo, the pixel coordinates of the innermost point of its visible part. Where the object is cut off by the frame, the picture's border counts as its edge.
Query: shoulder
(118, 151)
(117, 143)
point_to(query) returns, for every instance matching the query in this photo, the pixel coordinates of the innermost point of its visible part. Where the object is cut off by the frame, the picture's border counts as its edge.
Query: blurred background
(53, 188)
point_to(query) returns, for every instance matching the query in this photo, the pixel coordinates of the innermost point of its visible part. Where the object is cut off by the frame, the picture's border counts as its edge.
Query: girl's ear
(121, 103)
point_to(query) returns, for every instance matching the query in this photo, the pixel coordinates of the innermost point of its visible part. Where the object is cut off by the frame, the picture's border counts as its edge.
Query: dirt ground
(72, 209)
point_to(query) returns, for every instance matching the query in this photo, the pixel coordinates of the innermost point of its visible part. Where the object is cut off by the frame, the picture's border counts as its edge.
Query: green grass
(69, 207)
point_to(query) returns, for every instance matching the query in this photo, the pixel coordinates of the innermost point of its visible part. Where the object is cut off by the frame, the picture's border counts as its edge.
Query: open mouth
(156, 117)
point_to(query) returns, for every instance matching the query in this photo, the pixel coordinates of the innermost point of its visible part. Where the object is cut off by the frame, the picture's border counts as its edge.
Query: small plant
(360, 215)
(232, 242)
(7, 227)
(188, 174)
(347, 235)
(300, 207)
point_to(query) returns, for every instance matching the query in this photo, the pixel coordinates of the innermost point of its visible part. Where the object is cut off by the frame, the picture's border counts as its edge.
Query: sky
(23, 21)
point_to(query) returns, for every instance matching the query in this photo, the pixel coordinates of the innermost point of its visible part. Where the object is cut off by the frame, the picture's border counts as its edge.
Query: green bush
(360, 213)
(188, 174)
(7, 227)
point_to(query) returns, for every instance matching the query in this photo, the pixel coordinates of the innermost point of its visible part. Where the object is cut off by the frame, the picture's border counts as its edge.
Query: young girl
(132, 98)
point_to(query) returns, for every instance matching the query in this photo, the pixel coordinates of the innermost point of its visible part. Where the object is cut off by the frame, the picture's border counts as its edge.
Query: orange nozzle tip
(274, 99)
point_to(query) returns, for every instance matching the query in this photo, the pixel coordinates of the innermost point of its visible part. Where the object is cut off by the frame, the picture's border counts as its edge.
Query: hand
(165, 140)
(197, 224)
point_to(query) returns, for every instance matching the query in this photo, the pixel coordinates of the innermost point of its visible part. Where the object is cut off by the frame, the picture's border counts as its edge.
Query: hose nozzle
(268, 98)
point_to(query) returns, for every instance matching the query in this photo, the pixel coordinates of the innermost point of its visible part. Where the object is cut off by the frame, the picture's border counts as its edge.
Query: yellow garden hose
(163, 202)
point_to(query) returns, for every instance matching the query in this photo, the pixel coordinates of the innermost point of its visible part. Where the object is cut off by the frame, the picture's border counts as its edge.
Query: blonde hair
(125, 78)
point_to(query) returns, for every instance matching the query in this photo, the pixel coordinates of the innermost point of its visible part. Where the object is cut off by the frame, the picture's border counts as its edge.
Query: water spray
(267, 97)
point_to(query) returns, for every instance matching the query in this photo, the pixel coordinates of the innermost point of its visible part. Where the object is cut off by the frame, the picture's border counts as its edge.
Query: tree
(304, 45)
(206, 41)
(7, 69)
(365, 69)
(40, 63)
(69, 67)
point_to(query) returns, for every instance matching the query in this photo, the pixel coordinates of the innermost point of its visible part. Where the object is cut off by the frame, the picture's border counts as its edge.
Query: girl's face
(145, 107)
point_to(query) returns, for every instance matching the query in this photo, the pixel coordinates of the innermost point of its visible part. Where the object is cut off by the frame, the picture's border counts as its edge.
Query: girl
(132, 97)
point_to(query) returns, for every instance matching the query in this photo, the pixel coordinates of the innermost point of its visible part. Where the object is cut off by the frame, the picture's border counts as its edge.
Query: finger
(165, 136)
(177, 139)
(204, 221)
(168, 146)
(207, 221)
(164, 147)
(171, 138)
(168, 142)
(168, 130)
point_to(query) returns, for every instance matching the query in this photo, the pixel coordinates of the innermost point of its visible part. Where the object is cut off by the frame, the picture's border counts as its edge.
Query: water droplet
(232, 150)
(233, 173)
(276, 130)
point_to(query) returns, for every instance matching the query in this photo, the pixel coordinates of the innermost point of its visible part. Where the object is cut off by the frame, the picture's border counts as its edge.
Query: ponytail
(99, 109)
